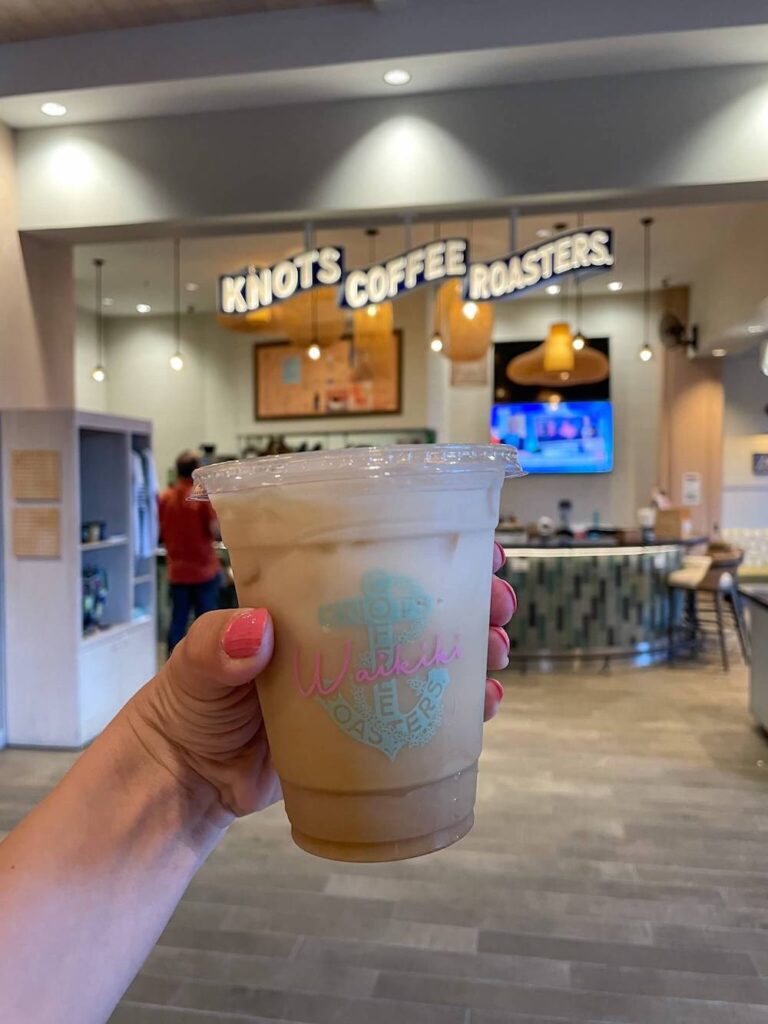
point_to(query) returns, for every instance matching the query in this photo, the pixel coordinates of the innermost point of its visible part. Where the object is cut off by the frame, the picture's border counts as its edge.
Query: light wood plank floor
(618, 872)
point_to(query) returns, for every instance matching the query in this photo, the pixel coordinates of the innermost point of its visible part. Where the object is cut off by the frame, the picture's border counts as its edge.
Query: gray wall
(537, 142)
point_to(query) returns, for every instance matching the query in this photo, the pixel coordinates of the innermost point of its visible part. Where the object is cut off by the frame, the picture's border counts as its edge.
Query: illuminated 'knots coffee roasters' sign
(579, 253)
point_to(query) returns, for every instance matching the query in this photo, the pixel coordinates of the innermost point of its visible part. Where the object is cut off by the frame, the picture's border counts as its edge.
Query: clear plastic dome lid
(350, 463)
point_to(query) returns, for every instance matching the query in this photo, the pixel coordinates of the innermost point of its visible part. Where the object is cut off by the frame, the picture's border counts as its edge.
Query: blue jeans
(197, 598)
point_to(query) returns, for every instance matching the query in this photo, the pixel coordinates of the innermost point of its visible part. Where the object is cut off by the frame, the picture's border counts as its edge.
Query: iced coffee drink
(376, 567)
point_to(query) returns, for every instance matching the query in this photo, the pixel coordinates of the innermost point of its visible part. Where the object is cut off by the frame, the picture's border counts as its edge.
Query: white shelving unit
(62, 687)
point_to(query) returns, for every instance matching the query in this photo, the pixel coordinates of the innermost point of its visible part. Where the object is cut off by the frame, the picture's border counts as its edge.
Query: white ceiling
(430, 73)
(684, 241)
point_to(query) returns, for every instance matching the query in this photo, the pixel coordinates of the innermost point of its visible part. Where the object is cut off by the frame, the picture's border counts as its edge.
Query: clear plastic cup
(376, 566)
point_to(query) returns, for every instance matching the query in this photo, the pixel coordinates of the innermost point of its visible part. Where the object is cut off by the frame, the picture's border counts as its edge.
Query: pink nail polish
(500, 550)
(512, 594)
(501, 632)
(498, 688)
(242, 637)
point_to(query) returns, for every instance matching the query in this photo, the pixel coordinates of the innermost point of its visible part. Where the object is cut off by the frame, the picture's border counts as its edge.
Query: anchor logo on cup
(391, 695)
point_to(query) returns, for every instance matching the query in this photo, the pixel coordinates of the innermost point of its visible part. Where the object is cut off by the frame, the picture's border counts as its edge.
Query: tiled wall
(585, 600)
(753, 542)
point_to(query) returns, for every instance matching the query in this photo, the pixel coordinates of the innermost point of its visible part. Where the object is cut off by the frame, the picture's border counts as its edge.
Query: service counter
(580, 604)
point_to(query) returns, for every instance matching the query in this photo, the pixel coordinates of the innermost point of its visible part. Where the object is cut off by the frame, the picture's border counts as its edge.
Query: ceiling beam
(320, 37)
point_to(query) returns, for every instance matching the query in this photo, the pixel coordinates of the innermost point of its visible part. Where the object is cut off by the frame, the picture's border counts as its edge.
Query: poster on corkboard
(347, 380)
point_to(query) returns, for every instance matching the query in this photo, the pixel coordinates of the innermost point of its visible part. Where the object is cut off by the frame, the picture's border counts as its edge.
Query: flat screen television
(568, 429)
(570, 437)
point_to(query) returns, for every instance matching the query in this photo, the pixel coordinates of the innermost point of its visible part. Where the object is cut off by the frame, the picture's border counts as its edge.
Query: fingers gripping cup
(376, 566)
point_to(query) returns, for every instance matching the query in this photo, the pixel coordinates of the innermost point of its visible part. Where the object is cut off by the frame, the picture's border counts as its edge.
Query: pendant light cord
(372, 233)
(646, 222)
(577, 283)
(99, 304)
(177, 293)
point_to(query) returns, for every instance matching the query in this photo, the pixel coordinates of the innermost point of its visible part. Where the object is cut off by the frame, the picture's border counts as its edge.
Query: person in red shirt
(188, 529)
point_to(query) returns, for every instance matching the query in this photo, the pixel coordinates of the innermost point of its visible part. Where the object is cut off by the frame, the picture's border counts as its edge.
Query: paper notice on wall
(691, 489)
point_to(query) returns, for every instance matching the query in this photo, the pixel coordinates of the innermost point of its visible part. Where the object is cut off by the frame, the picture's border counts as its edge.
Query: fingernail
(501, 632)
(500, 550)
(512, 594)
(242, 637)
(498, 687)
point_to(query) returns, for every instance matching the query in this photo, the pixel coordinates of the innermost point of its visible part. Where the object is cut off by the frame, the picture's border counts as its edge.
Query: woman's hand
(200, 716)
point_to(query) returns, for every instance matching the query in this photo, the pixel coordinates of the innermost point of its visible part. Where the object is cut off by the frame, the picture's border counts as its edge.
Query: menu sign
(581, 252)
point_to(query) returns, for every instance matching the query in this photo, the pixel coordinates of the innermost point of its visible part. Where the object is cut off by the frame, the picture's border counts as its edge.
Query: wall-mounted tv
(569, 430)
(570, 437)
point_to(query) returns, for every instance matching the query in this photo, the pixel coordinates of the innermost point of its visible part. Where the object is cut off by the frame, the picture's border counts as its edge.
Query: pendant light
(578, 341)
(436, 341)
(373, 324)
(646, 352)
(557, 362)
(99, 372)
(558, 344)
(176, 361)
(465, 327)
(311, 320)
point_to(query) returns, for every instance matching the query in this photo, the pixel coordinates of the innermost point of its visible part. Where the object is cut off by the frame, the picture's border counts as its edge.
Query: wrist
(187, 804)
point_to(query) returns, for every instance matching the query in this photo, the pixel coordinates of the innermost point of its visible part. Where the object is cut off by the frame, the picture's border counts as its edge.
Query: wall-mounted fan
(672, 333)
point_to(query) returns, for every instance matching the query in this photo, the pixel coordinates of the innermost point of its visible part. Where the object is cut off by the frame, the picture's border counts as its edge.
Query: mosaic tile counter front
(591, 601)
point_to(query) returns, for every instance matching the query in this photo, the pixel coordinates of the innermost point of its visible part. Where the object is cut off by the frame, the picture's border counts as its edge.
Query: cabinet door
(99, 687)
(111, 671)
(138, 659)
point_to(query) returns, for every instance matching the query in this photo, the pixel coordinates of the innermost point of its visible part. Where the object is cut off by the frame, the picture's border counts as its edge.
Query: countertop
(556, 544)
(755, 592)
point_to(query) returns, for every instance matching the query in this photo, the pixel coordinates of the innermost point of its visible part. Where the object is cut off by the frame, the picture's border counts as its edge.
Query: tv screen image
(563, 437)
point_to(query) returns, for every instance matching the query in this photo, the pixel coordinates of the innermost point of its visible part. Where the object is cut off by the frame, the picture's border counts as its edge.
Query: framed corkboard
(347, 380)
(35, 475)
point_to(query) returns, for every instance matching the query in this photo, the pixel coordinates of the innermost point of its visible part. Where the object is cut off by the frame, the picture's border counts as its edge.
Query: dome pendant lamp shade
(465, 328)
(547, 364)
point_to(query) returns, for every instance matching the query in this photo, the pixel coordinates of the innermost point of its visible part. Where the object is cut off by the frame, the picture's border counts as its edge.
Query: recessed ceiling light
(143, 307)
(543, 233)
(718, 353)
(756, 328)
(552, 289)
(397, 76)
(107, 301)
(615, 286)
(51, 109)
(191, 286)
